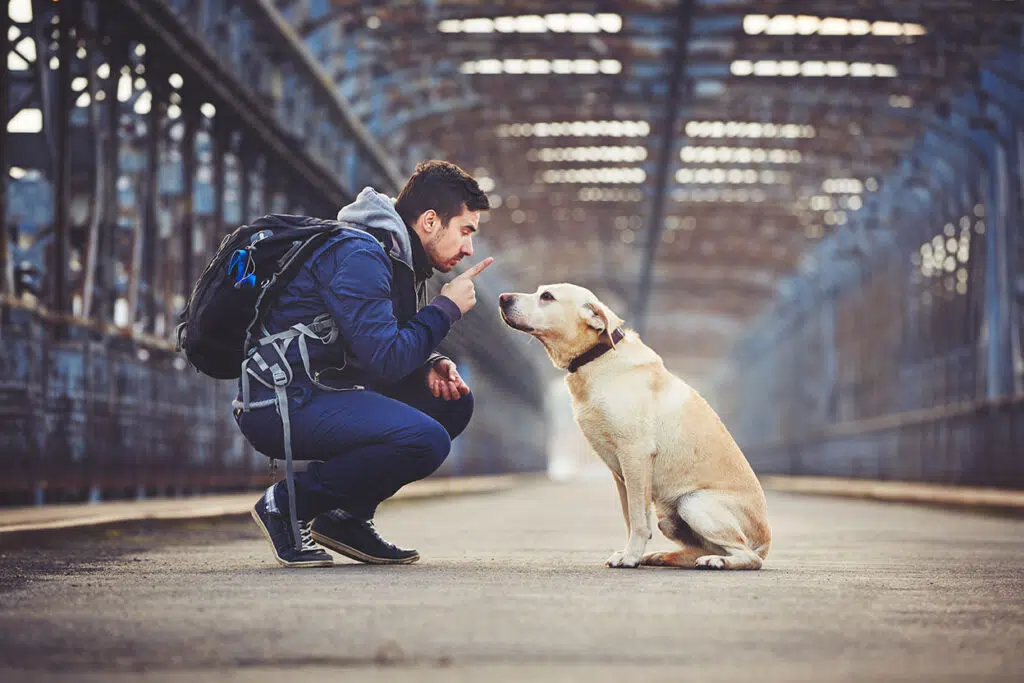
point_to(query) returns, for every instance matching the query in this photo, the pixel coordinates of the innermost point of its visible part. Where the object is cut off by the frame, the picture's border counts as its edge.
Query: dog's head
(567, 319)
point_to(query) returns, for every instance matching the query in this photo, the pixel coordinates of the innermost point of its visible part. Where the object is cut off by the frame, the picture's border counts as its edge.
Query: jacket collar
(420, 262)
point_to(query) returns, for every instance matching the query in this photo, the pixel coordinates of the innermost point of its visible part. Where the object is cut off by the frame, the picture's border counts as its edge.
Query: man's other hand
(444, 381)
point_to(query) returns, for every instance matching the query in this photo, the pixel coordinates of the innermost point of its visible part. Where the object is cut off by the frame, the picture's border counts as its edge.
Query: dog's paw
(712, 562)
(620, 559)
(653, 559)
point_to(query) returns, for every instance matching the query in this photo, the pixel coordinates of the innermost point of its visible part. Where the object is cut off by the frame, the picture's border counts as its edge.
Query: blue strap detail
(242, 269)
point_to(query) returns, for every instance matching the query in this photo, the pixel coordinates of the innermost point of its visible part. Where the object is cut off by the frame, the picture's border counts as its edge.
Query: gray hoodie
(373, 209)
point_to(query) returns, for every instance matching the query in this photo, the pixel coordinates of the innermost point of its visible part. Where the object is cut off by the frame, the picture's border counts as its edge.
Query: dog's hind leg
(686, 558)
(710, 517)
(677, 530)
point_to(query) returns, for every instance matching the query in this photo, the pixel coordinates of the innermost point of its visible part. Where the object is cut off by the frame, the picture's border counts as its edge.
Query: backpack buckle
(279, 375)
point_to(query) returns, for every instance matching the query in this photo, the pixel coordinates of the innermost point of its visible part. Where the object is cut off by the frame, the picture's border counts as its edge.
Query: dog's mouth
(515, 324)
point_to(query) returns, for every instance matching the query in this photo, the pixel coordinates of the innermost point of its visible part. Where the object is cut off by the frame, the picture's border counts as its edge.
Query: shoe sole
(358, 555)
(283, 562)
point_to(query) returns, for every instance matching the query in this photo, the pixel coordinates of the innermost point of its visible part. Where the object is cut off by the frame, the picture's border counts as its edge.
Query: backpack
(250, 268)
(216, 330)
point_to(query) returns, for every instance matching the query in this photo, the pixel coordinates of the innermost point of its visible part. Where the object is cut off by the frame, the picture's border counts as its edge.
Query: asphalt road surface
(512, 587)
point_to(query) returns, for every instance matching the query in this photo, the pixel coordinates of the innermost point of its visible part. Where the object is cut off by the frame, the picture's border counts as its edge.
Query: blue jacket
(372, 280)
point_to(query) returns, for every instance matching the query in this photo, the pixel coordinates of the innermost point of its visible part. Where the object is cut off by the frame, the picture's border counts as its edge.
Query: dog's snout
(505, 300)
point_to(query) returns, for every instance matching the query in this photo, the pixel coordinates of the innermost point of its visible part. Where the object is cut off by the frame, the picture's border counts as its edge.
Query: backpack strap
(277, 374)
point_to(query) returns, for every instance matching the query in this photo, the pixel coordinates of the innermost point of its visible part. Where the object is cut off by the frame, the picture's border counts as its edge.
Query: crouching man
(404, 403)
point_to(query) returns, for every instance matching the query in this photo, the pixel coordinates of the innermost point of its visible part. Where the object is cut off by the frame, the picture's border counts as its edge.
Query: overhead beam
(673, 103)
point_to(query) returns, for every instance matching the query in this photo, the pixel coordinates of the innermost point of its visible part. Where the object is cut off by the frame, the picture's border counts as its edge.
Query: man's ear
(596, 316)
(429, 221)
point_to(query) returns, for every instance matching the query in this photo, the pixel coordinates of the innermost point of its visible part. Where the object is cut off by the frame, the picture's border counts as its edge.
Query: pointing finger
(478, 268)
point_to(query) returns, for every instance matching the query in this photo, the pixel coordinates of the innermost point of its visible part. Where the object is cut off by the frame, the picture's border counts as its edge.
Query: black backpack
(248, 271)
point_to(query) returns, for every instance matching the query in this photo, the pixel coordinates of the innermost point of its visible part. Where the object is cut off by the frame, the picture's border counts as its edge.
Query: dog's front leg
(621, 486)
(636, 475)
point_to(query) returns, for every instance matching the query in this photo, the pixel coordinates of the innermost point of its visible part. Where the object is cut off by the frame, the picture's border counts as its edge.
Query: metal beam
(6, 269)
(673, 102)
(155, 19)
(69, 14)
(190, 121)
(111, 171)
(150, 232)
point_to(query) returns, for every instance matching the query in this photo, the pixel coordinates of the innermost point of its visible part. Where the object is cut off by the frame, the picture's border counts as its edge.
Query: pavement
(512, 587)
(16, 522)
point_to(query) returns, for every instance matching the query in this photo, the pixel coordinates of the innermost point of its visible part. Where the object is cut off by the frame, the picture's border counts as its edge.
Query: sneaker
(357, 539)
(277, 528)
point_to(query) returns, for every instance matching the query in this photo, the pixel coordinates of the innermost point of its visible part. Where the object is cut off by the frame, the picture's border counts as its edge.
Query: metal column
(221, 146)
(150, 230)
(673, 103)
(59, 299)
(245, 160)
(6, 270)
(189, 122)
(108, 229)
(998, 371)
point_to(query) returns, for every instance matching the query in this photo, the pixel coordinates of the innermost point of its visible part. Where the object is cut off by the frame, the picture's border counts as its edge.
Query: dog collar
(595, 352)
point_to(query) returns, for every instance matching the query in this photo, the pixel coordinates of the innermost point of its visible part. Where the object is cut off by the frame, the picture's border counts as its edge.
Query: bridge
(813, 213)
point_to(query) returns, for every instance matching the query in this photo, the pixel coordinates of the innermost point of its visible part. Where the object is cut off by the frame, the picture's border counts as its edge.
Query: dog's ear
(597, 316)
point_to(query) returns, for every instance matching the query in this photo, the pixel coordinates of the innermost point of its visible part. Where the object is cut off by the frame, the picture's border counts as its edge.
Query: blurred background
(811, 209)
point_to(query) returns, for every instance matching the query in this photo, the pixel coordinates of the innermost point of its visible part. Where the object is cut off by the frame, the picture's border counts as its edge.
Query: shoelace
(306, 538)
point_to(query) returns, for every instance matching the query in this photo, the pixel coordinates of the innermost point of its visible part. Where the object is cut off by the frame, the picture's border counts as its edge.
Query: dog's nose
(505, 300)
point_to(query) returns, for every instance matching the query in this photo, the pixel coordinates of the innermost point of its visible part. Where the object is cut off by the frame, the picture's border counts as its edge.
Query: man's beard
(431, 249)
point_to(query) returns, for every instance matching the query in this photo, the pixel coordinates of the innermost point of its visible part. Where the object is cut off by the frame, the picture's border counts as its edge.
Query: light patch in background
(748, 129)
(610, 194)
(811, 69)
(27, 120)
(843, 186)
(731, 176)
(611, 153)
(594, 175)
(947, 256)
(535, 23)
(740, 155)
(20, 11)
(716, 195)
(611, 129)
(808, 25)
(542, 67)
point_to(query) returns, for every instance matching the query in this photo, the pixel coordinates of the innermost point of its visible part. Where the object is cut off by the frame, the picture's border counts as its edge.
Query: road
(512, 587)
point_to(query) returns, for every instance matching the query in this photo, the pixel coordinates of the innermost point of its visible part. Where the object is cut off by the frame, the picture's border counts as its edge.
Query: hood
(375, 210)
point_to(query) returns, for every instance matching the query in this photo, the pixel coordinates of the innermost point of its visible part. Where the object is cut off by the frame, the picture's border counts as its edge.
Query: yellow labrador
(662, 441)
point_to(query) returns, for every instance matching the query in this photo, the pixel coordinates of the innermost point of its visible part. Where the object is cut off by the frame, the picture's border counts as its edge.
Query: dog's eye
(547, 296)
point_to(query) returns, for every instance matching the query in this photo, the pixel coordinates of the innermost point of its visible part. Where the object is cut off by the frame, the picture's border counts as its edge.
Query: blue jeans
(367, 444)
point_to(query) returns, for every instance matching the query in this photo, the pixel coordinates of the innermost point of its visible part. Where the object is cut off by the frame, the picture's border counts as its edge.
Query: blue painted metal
(100, 406)
(950, 408)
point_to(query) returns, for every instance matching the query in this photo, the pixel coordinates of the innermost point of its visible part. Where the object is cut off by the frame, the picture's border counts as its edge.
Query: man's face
(447, 245)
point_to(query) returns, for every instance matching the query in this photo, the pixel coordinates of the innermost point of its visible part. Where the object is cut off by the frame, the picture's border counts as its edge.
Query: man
(381, 407)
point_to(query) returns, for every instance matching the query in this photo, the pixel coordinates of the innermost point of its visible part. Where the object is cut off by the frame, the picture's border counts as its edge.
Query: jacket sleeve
(357, 291)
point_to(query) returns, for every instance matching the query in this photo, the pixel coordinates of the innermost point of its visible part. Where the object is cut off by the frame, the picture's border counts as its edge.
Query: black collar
(420, 262)
(594, 352)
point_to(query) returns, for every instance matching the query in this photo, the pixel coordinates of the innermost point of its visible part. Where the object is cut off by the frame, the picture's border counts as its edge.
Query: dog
(661, 440)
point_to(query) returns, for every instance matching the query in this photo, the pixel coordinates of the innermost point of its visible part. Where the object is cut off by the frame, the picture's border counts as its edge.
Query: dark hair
(443, 187)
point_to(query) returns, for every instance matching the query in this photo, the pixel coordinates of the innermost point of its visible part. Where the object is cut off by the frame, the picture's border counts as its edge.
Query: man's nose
(467, 248)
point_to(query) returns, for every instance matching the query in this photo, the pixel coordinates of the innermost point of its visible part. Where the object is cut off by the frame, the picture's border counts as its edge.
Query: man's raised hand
(461, 289)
